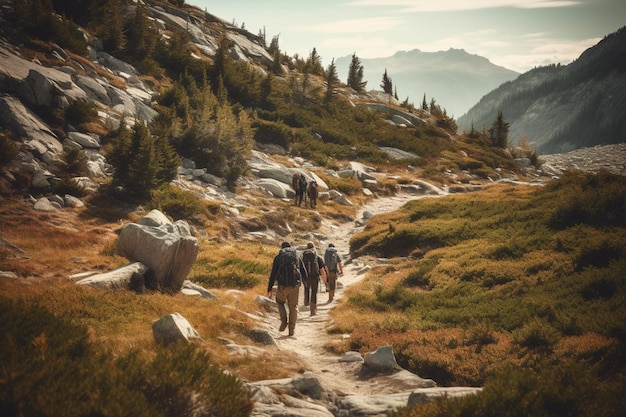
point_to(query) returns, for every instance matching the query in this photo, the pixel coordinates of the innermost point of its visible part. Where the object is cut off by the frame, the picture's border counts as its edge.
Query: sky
(515, 34)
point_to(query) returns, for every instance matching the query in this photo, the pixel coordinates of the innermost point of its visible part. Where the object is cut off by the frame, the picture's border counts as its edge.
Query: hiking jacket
(276, 267)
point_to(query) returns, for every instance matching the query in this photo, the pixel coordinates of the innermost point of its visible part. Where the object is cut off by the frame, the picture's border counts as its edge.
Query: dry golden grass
(55, 243)
(64, 242)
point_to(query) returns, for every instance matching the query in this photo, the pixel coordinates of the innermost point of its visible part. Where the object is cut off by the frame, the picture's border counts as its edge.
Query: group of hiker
(304, 189)
(290, 271)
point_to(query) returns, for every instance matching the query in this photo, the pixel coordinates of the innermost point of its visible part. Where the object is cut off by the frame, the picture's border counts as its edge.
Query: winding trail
(311, 331)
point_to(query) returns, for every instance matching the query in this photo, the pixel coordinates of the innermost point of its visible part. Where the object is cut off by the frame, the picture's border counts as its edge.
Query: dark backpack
(311, 264)
(302, 183)
(331, 258)
(288, 269)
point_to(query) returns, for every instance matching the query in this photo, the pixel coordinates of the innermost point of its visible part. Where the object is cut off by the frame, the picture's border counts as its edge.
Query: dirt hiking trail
(311, 331)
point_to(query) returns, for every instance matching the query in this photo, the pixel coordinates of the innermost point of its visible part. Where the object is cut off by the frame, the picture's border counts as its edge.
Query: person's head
(310, 245)
(285, 245)
(331, 245)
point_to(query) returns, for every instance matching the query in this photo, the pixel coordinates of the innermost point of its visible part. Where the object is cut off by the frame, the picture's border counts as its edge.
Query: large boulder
(167, 249)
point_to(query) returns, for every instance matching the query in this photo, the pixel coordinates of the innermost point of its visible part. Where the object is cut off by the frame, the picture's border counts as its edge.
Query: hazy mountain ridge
(560, 108)
(454, 78)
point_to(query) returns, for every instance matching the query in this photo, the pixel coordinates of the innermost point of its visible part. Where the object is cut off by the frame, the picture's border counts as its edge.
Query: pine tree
(314, 63)
(332, 79)
(355, 75)
(112, 26)
(424, 103)
(499, 132)
(386, 84)
(141, 162)
(142, 35)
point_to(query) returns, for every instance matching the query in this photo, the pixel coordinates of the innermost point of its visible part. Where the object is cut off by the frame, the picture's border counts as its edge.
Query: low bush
(515, 392)
(51, 369)
(177, 203)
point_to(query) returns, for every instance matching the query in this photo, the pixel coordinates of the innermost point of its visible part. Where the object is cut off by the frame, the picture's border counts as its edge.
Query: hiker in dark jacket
(312, 193)
(316, 269)
(334, 267)
(288, 286)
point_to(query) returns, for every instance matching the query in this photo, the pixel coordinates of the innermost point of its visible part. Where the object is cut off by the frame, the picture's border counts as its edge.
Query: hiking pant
(331, 285)
(310, 294)
(288, 295)
(299, 197)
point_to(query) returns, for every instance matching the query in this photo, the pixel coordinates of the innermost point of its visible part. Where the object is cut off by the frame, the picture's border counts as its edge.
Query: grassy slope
(509, 276)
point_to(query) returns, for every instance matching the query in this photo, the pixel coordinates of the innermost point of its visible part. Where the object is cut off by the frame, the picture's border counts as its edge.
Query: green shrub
(75, 163)
(348, 186)
(80, 112)
(177, 203)
(8, 149)
(536, 334)
(69, 186)
(514, 392)
(51, 369)
(228, 273)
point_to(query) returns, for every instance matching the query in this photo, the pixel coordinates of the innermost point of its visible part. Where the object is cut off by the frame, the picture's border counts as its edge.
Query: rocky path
(345, 391)
(311, 334)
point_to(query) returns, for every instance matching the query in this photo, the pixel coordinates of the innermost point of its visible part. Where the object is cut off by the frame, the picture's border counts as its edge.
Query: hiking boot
(282, 327)
(290, 333)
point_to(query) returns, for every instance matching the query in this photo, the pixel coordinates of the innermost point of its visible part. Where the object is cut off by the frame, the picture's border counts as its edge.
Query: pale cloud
(459, 5)
(365, 25)
(375, 46)
(544, 52)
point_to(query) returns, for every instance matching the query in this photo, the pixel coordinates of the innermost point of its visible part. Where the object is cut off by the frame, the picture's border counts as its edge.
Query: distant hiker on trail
(312, 193)
(316, 268)
(298, 182)
(288, 271)
(334, 267)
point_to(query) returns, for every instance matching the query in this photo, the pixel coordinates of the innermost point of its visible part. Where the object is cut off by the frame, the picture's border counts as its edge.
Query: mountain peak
(455, 78)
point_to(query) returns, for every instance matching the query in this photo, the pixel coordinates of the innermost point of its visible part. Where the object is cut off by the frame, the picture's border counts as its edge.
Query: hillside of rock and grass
(463, 287)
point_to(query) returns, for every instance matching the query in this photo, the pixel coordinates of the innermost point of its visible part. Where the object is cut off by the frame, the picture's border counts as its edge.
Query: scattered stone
(351, 357)
(381, 360)
(43, 204)
(173, 328)
(128, 276)
(204, 293)
(71, 201)
(262, 336)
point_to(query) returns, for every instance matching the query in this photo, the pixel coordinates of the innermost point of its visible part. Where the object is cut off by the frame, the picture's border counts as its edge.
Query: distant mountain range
(454, 78)
(561, 108)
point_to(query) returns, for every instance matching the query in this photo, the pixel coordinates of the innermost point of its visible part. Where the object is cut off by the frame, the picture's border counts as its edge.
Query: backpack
(331, 258)
(295, 181)
(302, 183)
(288, 269)
(310, 263)
(312, 190)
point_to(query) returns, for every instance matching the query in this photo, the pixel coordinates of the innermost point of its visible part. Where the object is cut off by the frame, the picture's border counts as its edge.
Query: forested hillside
(218, 92)
(559, 108)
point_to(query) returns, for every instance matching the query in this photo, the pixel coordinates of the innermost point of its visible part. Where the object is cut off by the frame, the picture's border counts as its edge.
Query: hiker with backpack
(298, 182)
(312, 193)
(316, 269)
(334, 268)
(288, 272)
